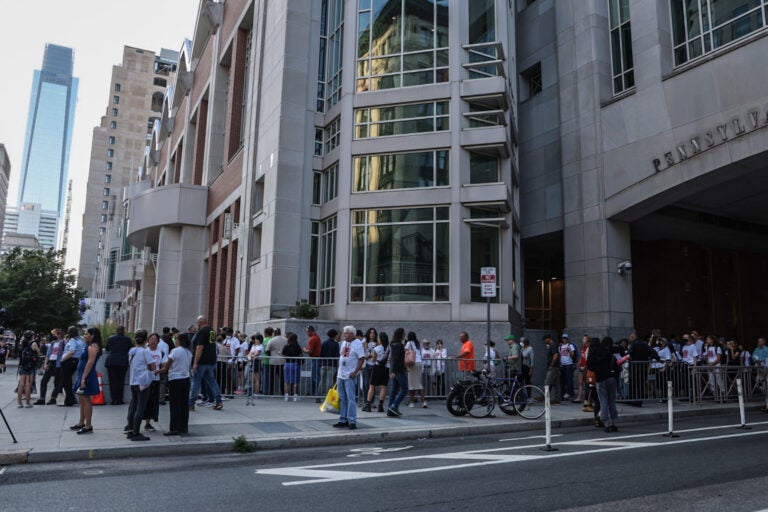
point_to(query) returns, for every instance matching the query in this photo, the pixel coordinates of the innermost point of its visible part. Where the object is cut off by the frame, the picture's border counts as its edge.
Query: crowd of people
(203, 367)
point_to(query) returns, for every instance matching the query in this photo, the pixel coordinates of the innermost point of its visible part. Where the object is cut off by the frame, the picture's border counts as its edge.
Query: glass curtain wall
(400, 170)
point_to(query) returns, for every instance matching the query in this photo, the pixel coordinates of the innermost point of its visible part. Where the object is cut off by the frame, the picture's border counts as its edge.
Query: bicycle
(513, 397)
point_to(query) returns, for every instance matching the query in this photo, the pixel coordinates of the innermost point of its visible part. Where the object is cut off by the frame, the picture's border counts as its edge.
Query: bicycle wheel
(529, 401)
(455, 404)
(506, 404)
(478, 401)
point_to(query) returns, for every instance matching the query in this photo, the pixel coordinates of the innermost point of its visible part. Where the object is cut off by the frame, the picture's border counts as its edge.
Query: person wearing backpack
(379, 374)
(27, 370)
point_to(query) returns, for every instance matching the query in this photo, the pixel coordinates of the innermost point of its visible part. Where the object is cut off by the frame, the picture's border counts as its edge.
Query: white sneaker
(412, 404)
(285, 397)
(424, 405)
(295, 398)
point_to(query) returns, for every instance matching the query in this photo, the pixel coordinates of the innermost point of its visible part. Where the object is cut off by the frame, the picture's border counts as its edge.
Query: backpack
(28, 359)
(576, 354)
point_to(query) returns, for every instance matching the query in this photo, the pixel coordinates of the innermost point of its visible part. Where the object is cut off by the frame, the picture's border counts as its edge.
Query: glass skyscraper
(49, 132)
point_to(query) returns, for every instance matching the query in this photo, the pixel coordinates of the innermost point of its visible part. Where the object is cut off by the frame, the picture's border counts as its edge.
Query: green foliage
(242, 445)
(304, 309)
(37, 292)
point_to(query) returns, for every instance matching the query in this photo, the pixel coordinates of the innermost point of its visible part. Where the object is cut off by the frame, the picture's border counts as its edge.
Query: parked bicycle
(512, 396)
(455, 401)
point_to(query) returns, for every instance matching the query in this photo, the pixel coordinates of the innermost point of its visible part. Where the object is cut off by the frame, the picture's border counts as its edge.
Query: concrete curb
(324, 440)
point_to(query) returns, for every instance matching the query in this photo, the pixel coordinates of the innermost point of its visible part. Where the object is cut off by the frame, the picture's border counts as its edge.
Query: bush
(304, 310)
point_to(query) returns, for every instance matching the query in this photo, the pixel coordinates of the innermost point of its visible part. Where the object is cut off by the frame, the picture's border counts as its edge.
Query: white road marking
(323, 472)
(529, 437)
(375, 450)
(3, 470)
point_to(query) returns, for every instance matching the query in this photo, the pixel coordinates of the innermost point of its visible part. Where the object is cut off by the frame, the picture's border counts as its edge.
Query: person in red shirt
(467, 354)
(313, 350)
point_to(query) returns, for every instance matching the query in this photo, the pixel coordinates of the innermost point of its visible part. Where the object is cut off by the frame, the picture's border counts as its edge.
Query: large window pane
(483, 169)
(482, 21)
(484, 241)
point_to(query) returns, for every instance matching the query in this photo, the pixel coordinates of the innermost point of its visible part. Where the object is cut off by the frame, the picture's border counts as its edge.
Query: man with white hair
(351, 359)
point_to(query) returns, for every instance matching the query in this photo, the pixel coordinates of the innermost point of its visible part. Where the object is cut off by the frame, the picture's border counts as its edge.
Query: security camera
(624, 267)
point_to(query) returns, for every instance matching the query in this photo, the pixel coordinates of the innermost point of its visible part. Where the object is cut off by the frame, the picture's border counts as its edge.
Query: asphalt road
(711, 466)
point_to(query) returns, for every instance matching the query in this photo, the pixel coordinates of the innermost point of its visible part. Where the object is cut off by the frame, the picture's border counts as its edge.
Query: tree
(37, 292)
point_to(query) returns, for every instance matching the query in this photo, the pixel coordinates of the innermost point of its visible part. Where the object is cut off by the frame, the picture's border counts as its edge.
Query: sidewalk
(43, 431)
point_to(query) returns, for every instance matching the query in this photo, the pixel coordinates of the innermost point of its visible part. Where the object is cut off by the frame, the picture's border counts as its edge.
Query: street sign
(488, 281)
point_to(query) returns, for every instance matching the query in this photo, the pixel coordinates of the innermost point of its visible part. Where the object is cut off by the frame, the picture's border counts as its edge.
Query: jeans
(139, 401)
(566, 380)
(204, 373)
(348, 406)
(54, 372)
(316, 377)
(606, 392)
(398, 390)
(116, 375)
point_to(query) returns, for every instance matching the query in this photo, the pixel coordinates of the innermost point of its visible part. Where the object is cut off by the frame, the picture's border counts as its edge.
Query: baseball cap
(565, 335)
(310, 328)
(509, 337)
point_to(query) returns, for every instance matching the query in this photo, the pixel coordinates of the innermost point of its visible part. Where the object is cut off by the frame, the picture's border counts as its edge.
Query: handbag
(331, 403)
(410, 358)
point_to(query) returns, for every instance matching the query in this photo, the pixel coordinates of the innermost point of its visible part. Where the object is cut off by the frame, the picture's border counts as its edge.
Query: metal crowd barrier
(311, 377)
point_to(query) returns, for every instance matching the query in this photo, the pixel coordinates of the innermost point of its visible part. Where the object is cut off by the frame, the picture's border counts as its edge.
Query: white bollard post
(742, 414)
(671, 431)
(547, 423)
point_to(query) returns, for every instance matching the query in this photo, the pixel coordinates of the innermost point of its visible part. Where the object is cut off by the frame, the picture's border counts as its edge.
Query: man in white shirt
(351, 360)
(163, 346)
(231, 345)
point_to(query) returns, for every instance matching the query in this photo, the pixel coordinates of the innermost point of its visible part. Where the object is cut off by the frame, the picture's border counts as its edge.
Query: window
(331, 135)
(105, 205)
(117, 87)
(400, 170)
(115, 100)
(329, 185)
(113, 125)
(484, 240)
(483, 169)
(114, 112)
(400, 255)
(103, 217)
(258, 196)
(313, 259)
(482, 32)
(327, 262)
(157, 102)
(401, 43)
(256, 244)
(107, 178)
(622, 66)
(102, 230)
(317, 178)
(109, 166)
(401, 119)
(330, 54)
(160, 82)
(702, 26)
(532, 82)
(319, 141)
(106, 191)
(111, 140)
(110, 153)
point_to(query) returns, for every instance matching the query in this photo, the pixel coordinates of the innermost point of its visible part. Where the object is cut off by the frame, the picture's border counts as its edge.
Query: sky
(97, 30)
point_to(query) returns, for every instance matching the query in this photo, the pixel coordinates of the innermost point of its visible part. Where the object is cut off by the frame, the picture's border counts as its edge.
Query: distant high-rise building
(5, 176)
(134, 103)
(49, 134)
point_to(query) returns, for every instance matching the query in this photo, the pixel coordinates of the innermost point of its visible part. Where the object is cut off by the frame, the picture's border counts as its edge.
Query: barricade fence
(312, 377)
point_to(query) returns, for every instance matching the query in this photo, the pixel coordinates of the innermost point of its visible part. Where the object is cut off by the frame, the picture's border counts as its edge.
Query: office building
(48, 137)
(134, 101)
(5, 177)
(371, 156)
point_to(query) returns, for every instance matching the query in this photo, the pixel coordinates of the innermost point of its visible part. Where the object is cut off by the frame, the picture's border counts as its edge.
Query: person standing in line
(274, 350)
(27, 369)
(415, 371)
(313, 348)
(329, 353)
(204, 362)
(553, 369)
(176, 368)
(439, 357)
(528, 360)
(427, 375)
(602, 361)
(580, 372)
(292, 368)
(254, 359)
(351, 360)
(142, 367)
(567, 358)
(87, 382)
(164, 344)
(379, 374)
(159, 357)
(397, 373)
(118, 346)
(514, 357)
(72, 351)
(369, 343)
(466, 354)
(51, 368)
(266, 388)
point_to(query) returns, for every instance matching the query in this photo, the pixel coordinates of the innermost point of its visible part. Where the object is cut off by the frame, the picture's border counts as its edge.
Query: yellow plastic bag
(331, 402)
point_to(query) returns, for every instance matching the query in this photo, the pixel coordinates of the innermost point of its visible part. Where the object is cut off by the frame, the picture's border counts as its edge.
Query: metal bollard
(547, 423)
(742, 413)
(671, 431)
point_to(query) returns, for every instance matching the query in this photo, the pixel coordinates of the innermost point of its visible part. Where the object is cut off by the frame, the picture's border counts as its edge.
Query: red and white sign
(488, 281)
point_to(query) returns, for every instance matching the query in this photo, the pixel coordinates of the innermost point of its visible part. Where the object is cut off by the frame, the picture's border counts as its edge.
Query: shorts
(379, 375)
(30, 371)
(291, 373)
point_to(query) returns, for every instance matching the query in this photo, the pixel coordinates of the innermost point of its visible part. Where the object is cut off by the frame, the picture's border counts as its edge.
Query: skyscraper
(49, 134)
